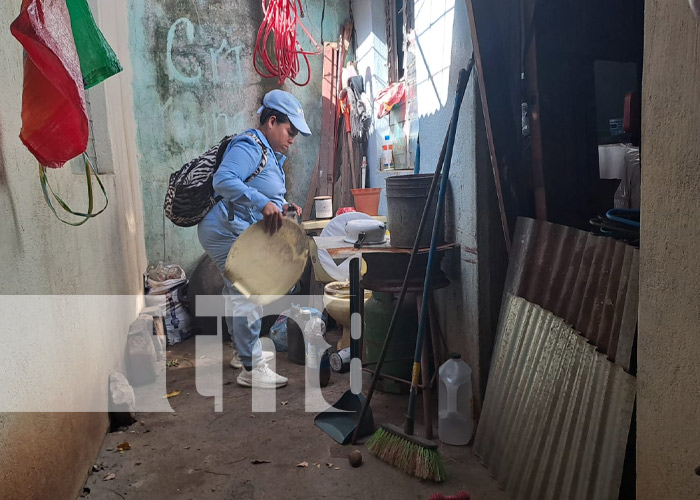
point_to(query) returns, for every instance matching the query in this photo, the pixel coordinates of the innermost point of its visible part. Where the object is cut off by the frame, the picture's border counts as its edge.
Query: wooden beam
(329, 97)
(344, 46)
(353, 162)
(534, 113)
(313, 189)
(500, 130)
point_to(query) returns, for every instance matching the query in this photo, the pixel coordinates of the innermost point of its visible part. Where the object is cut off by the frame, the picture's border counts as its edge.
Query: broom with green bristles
(411, 454)
(399, 447)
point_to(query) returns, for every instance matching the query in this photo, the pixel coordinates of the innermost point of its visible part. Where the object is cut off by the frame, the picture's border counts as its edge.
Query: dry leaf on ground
(303, 464)
(172, 394)
(109, 476)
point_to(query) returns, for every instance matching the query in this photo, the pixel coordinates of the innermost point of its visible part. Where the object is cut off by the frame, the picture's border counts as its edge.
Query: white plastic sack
(177, 319)
(164, 277)
(169, 280)
(278, 332)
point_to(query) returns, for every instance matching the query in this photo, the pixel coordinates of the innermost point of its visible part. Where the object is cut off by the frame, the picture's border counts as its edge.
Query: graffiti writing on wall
(203, 89)
(218, 56)
(186, 123)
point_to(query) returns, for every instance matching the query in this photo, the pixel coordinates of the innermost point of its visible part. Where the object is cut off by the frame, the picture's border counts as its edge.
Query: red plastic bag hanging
(389, 97)
(54, 118)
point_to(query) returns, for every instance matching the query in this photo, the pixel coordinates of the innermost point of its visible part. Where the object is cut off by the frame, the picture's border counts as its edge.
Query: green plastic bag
(97, 59)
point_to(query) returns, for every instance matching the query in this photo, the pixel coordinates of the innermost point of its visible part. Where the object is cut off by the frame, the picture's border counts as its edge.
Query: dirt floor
(197, 453)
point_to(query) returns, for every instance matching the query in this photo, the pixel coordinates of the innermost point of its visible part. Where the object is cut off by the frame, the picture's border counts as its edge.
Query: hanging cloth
(54, 118)
(97, 59)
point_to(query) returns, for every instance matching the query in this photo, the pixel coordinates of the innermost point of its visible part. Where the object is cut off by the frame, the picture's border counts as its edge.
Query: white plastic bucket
(324, 207)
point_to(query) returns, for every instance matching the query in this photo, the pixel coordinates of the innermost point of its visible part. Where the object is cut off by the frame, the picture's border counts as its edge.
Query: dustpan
(342, 419)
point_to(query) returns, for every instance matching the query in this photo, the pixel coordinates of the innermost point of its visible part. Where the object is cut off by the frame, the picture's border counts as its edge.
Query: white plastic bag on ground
(278, 332)
(170, 280)
(164, 277)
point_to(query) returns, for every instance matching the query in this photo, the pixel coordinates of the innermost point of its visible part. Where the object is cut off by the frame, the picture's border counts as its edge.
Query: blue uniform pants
(243, 317)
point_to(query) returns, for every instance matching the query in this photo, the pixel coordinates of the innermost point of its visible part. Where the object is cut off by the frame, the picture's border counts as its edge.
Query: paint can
(324, 207)
(340, 361)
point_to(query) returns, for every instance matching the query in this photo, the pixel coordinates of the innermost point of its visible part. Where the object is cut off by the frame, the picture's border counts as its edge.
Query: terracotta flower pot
(367, 200)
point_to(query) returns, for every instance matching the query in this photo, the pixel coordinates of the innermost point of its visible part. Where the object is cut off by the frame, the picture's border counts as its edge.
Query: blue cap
(289, 105)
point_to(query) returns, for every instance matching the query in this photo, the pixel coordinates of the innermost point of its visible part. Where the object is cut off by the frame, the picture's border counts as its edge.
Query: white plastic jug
(387, 153)
(455, 421)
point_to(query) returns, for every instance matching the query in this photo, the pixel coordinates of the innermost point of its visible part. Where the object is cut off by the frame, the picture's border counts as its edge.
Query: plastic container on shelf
(406, 196)
(387, 153)
(455, 419)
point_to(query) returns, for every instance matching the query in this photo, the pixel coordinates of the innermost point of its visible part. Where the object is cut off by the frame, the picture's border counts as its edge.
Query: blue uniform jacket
(240, 160)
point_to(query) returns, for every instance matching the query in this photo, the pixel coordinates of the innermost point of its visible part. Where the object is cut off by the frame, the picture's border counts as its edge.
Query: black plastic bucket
(405, 199)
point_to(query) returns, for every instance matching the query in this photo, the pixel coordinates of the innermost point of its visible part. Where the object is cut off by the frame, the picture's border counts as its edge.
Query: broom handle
(404, 286)
(354, 305)
(461, 87)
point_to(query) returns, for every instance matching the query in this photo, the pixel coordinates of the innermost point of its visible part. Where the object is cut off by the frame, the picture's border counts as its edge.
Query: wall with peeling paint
(443, 48)
(194, 82)
(56, 358)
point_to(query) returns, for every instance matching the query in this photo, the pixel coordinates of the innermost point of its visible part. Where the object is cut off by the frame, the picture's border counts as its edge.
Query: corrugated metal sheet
(591, 282)
(557, 412)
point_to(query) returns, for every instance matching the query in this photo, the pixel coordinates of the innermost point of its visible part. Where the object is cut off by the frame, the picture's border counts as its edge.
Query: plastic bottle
(318, 368)
(387, 153)
(455, 421)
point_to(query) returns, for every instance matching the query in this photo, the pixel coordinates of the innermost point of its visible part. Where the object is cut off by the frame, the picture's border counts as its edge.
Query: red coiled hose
(280, 19)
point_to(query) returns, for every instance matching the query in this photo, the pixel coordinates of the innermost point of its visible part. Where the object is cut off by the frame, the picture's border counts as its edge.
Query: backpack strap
(223, 145)
(222, 148)
(263, 159)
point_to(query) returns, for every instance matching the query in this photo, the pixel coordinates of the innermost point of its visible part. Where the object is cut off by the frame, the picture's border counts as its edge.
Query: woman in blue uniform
(249, 196)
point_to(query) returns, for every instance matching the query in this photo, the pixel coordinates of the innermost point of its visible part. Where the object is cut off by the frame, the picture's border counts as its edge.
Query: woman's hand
(291, 208)
(272, 218)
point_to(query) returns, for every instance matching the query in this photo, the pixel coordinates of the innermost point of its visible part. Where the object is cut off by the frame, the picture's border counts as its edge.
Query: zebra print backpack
(190, 192)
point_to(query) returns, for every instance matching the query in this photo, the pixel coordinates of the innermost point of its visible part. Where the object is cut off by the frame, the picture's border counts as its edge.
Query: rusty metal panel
(557, 412)
(589, 281)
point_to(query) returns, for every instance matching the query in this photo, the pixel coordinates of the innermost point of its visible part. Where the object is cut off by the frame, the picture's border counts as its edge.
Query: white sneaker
(261, 377)
(236, 363)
